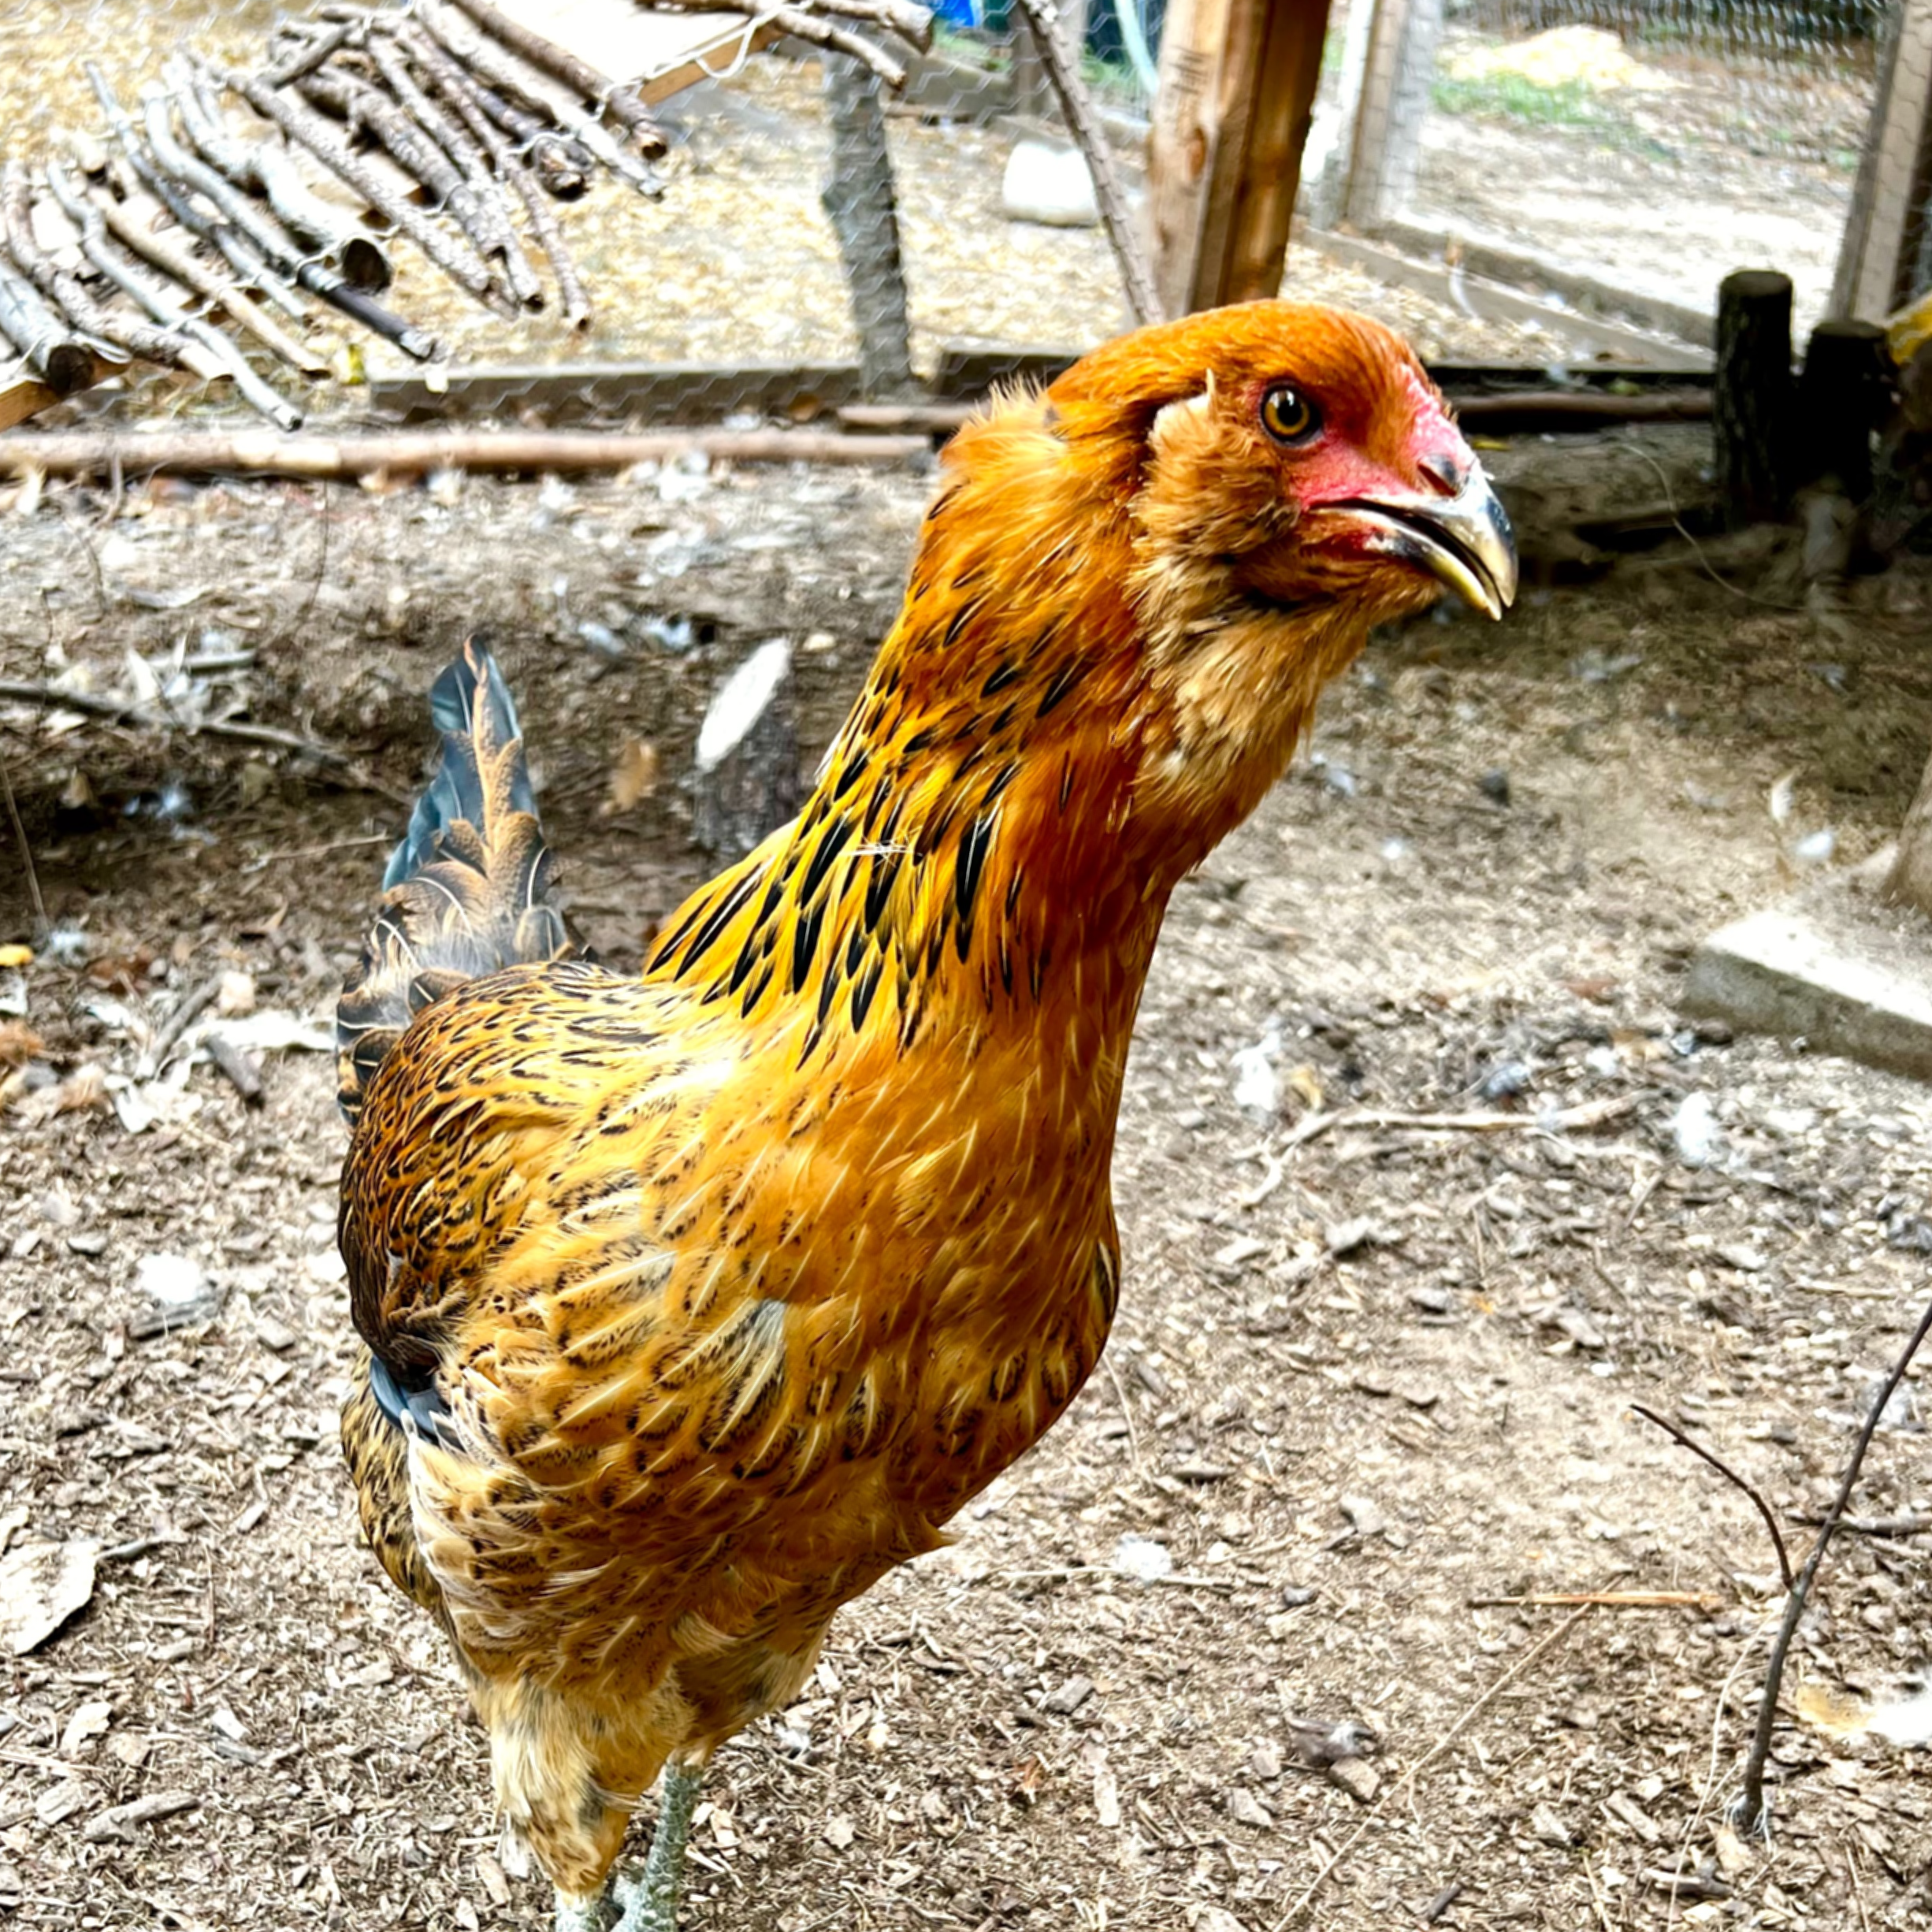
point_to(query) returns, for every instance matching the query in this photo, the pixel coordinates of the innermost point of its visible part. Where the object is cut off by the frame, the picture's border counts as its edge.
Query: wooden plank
(23, 395)
(1910, 881)
(1384, 142)
(657, 53)
(1495, 262)
(1872, 263)
(1490, 300)
(1238, 80)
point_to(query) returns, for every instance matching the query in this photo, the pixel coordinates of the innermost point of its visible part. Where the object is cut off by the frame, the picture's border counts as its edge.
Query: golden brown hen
(697, 1300)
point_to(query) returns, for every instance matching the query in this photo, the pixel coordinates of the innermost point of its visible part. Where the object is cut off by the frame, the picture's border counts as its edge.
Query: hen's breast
(720, 1338)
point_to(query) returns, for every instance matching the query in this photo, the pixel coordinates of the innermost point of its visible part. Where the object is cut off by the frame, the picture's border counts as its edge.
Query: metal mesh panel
(1650, 145)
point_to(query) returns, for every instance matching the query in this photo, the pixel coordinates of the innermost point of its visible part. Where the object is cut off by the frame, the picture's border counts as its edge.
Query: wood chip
(41, 1585)
(121, 1821)
(1356, 1776)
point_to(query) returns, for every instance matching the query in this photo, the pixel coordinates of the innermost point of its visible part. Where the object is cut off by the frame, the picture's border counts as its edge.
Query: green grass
(1513, 96)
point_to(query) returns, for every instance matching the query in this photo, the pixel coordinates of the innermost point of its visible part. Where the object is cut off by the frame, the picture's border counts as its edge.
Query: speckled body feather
(736, 1279)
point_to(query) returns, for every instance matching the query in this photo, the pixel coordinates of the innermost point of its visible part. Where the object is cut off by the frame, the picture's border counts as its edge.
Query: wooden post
(1385, 143)
(1752, 400)
(1874, 260)
(1910, 881)
(1238, 82)
(863, 211)
(1841, 401)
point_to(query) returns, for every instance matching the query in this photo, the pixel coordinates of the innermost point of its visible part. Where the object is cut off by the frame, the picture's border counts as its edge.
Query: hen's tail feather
(468, 890)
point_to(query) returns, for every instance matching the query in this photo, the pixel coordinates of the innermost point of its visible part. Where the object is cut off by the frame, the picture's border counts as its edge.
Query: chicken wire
(736, 262)
(1647, 146)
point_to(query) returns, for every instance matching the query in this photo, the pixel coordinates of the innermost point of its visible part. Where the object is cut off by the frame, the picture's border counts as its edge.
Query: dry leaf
(1106, 1788)
(86, 1086)
(15, 955)
(19, 1043)
(838, 1831)
(633, 777)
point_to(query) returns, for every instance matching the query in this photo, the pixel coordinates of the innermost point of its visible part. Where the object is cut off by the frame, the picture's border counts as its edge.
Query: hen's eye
(1288, 415)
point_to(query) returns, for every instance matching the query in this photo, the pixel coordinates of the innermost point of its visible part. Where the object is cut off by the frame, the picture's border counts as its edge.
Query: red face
(1380, 477)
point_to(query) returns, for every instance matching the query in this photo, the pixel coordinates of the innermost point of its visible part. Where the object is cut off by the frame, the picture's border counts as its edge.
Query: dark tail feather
(467, 891)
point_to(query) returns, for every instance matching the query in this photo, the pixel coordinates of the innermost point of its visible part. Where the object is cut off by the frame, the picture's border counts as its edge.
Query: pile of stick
(450, 125)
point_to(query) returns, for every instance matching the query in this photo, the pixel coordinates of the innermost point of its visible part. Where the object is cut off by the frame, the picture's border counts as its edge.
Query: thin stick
(449, 80)
(1871, 1525)
(454, 256)
(1750, 1811)
(1127, 1412)
(1540, 1648)
(411, 452)
(1063, 70)
(26, 857)
(152, 245)
(1604, 1599)
(1588, 1114)
(1731, 1477)
(48, 697)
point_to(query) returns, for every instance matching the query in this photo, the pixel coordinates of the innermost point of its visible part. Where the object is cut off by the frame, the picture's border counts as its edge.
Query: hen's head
(1289, 458)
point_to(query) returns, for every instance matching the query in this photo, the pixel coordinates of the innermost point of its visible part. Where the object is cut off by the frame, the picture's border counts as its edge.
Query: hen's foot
(649, 1898)
(576, 1913)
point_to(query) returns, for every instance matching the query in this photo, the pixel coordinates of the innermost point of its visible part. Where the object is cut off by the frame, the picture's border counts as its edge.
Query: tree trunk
(1911, 879)
(1753, 402)
(864, 210)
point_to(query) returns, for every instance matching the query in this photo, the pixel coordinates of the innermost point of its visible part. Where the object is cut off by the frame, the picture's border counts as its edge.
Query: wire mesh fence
(1650, 145)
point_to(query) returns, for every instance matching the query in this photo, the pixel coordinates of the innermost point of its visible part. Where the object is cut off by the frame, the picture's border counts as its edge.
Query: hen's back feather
(468, 890)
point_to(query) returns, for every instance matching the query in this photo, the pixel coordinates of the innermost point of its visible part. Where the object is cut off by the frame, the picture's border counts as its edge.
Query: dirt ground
(1362, 1386)
(1662, 187)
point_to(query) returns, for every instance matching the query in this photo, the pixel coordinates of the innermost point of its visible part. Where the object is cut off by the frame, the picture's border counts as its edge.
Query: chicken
(696, 1300)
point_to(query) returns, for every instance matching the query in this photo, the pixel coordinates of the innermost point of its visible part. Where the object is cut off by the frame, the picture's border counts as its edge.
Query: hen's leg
(650, 1900)
(576, 1913)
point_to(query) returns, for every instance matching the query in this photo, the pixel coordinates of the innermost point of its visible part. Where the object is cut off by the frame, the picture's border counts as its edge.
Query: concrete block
(1835, 965)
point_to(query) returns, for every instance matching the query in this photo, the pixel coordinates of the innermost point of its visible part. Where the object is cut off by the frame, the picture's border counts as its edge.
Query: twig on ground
(1731, 1477)
(315, 582)
(121, 711)
(1127, 1411)
(1604, 1599)
(26, 863)
(1750, 1811)
(1858, 1891)
(1564, 1119)
(180, 1016)
(244, 1074)
(1540, 1648)
(1906, 1525)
